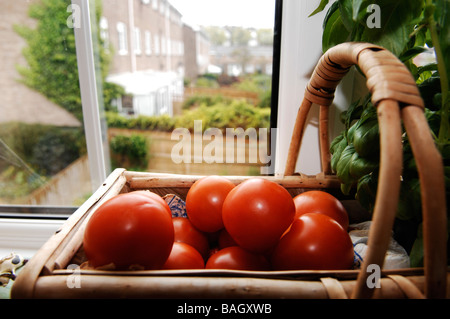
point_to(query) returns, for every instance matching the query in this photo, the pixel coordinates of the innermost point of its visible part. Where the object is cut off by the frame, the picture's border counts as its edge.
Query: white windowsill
(25, 236)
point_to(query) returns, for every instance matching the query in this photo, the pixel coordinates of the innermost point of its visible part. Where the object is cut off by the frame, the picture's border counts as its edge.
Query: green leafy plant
(227, 113)
(130, 151)
(407, 28)
(51, 56)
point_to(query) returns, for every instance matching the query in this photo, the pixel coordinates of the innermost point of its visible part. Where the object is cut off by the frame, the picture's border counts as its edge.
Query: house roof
(19, 103)
(143, 82)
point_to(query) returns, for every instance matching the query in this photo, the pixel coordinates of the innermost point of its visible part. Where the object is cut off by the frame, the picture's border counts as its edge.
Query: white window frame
(301, 48)
(163, 45)
(89, 95)
(157, 44)
(137, 41)
(148, 42)
(122, 38)
(296, 63)
(104, 32)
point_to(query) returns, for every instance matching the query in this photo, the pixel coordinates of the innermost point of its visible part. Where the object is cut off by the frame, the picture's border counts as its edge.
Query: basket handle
(397, 98)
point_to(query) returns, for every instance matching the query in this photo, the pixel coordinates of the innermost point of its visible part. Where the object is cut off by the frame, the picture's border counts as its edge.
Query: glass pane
(43, 158)
(196, 82)
(171, 86)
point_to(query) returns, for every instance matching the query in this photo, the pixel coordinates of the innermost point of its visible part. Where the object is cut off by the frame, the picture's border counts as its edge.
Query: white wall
(301, 48)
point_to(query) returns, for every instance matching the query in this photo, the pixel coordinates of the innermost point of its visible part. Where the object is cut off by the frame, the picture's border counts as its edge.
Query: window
(148, 42)
(163, 45)
(122, 38)
(169, 47)
(158, 79)
(296, 63)
(157, 45)
(104, 32)
(162, 6)
(137, 41)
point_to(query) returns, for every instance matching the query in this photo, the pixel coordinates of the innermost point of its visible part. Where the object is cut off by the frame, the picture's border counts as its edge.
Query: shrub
(130, 151)
(55, 150)
(222, 115)
(46, 149)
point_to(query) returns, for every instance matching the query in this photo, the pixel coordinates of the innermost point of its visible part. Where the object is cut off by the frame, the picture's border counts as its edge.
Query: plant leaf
(411, 53)
(442, 16)
(334, 31)
(322, 5)
(397, 23)
(355, 7)
(346, 10)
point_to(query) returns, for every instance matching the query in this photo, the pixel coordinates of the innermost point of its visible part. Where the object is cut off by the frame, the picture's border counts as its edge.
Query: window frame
(287, 77)
(148, 42)
(122, 38)
(137, 41)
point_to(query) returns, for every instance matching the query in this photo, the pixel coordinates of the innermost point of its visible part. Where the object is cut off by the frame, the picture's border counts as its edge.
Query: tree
(51, 56)
(265, 36)
(217, 35)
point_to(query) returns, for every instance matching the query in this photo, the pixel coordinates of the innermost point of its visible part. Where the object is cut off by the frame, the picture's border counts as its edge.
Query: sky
(245, 13)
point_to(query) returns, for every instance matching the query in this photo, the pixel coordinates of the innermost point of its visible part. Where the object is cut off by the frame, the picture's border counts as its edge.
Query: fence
(161, 159)
(251, 97)
(67, 187)
(73, 183)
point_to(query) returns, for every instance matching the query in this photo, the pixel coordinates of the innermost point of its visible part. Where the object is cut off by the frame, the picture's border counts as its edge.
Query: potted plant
(409, 29)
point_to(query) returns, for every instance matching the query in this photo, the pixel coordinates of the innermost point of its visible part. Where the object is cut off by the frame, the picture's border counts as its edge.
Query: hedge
(222, 115)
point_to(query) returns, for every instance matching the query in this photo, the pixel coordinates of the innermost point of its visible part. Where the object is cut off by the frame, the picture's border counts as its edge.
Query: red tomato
(212, 251)
(256, 213)
(322, 203)
(184, 256)
(156, 197)
(204, 202)
(235, 257)
(314, 242)
(225, 240)
(129, 229)
(185, 232)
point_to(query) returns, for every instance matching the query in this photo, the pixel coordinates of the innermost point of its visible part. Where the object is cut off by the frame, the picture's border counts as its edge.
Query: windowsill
(24, 229)
(26, 236)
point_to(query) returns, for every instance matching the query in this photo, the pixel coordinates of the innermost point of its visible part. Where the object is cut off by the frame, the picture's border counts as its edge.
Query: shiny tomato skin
(204, 202)
(323, 203)
(155, 197)
(184, 256)
(237, 258)
(256, 213)
(129, 229)
(314, 242)
(185, 232)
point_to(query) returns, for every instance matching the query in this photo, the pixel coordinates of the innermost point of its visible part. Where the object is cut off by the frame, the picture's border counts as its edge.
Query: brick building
(197, 50)
(148, 41)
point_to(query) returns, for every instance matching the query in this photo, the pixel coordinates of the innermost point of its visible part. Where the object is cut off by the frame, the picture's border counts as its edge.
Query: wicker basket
(397, 98)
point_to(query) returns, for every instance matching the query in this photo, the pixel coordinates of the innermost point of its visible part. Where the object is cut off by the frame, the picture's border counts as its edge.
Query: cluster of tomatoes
(255, 225)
